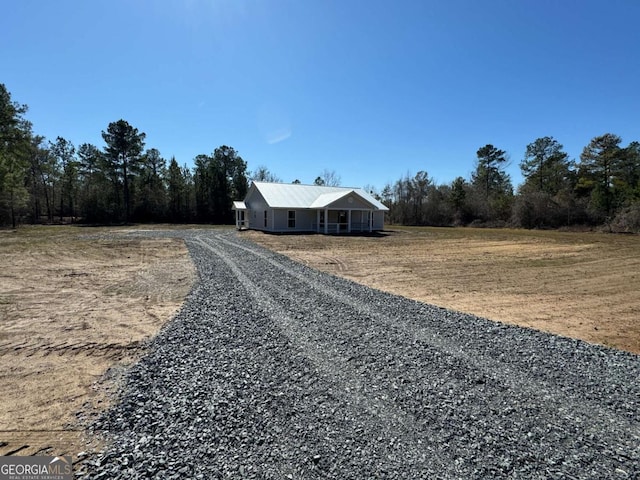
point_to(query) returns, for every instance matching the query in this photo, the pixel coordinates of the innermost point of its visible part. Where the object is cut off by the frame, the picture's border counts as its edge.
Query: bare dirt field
(580, 285)
(73, 308)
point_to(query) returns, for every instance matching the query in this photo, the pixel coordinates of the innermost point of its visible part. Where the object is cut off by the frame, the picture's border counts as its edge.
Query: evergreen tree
(219, 180)
(15, 147)
(63, 152)
(546, 167)
(494, 192)
(176, 191)
(150, 187)
(546, 197)
(458, 199)
(599, 163)
(123, 152)
(627, 175)
(100, 185)
(41, 181)
(489, 176)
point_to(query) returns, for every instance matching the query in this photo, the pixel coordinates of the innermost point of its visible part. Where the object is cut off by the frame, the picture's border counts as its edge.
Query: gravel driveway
(273, 370)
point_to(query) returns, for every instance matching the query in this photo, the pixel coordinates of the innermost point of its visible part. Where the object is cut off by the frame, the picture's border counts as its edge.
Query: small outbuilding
(282, 207)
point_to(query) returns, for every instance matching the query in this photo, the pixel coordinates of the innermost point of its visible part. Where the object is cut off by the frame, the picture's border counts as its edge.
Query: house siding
(256, 206)
(378, 220)
(305, 220)
(355, 204)
(280, 220)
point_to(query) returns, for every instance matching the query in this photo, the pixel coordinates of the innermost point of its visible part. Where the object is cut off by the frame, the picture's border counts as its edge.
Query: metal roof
(295, 195)
(239, 206)
(328, 198)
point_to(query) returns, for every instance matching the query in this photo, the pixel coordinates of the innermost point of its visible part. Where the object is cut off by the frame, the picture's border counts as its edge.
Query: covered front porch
(343, 221)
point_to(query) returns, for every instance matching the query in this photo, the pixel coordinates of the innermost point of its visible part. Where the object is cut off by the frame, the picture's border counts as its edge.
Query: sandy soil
(581, 285)
(73, 312)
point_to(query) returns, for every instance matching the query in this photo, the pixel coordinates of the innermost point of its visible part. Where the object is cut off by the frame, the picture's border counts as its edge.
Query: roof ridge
(306, 185)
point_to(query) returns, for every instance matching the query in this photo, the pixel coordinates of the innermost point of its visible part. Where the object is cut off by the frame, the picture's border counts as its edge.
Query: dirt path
(73, 308)
(582, 285)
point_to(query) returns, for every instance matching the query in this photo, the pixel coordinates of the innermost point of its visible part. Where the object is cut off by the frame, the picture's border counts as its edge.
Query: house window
(265, 219)
(292, 218)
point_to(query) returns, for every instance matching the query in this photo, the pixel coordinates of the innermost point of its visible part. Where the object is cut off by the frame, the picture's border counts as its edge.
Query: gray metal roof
(328, 198)
(295, 195)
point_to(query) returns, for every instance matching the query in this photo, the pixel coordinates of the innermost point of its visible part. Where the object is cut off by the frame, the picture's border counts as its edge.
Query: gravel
(272, 370)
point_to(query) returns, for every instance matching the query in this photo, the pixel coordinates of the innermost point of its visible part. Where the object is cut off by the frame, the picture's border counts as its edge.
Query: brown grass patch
(581, 285)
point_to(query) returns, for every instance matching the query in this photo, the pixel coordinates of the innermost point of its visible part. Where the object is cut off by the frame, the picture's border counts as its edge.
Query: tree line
(47, 181)
(602, 188)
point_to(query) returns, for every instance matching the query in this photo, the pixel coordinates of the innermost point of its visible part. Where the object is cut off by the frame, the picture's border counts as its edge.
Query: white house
(281, 207)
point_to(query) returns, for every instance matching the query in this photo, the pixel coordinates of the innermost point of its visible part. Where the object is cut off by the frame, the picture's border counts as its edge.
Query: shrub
(627, 220)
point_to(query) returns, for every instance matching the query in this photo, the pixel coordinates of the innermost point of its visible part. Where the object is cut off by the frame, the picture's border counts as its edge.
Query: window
(265, 219)
(292, 218)
(342, 217)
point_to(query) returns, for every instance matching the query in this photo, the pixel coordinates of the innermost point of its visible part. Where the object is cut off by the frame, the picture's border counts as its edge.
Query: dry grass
(582, 285)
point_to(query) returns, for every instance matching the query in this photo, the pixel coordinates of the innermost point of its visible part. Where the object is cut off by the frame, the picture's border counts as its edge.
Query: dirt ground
(73, 311)
(581, 285)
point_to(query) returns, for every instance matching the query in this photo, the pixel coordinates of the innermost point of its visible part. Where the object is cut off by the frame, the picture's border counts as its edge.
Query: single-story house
(281, 207)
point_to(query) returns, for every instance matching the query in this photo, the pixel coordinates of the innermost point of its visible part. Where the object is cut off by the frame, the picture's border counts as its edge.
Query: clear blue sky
(370, 89)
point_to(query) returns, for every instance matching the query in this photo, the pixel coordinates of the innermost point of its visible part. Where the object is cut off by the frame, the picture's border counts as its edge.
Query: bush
(627, 220)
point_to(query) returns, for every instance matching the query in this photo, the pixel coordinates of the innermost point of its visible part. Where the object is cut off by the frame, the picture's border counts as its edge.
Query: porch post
(348, 221)
(317, 221)
(326, 221)
(370, 221)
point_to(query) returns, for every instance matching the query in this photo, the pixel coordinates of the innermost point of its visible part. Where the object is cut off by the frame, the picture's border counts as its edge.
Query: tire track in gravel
(561, 407)
(272, 370)
(514, 378)
(393, 421)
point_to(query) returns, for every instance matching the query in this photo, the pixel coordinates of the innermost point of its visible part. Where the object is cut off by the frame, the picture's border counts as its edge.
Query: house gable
(255, 200)
(350, 200)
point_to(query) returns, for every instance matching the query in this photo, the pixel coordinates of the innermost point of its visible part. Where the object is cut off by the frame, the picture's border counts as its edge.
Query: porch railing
(342, 227)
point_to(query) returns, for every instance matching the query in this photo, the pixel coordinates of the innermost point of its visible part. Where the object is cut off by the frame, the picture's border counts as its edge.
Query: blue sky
(371, 89)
